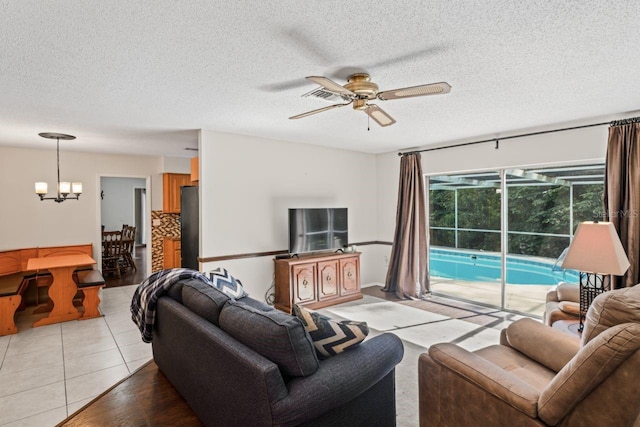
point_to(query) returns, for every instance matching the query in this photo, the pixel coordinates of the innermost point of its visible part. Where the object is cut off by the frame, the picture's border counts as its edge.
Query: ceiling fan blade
(422, 90)
(319, 110)
(379, 115)
(330, 85)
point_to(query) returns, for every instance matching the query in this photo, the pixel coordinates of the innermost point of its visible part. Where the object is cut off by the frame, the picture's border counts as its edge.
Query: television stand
(317, 281)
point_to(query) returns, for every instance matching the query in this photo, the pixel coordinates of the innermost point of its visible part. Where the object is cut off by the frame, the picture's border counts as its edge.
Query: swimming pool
(485, 267)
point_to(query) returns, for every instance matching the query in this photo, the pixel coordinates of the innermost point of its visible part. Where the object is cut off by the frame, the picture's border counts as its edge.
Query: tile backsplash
(168, 225)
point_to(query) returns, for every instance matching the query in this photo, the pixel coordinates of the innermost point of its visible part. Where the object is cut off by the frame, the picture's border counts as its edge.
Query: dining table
(63, 288)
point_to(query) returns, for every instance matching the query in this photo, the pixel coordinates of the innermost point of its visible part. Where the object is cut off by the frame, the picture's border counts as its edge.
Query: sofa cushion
(204, 300)
(257, 304)
(275, 335)
(228, 284)
(331, 337)
(569, 307)
(568, 292)
(611, 308)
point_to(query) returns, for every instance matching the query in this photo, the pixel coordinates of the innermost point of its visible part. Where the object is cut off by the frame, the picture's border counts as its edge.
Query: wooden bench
(13, 268)
(11, 288)
(90, 282)
(15, 279)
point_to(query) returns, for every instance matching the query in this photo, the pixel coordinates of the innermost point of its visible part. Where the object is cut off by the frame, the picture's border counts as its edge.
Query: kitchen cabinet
(171, 183)
(171, 253)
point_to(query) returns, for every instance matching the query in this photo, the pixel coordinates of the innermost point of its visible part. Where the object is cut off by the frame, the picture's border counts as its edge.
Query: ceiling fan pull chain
(368, 123)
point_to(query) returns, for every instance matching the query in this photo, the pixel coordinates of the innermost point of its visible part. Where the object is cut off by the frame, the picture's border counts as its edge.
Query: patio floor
(529, 299)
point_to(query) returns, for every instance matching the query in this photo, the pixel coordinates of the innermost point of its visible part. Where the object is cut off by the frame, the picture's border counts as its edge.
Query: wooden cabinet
(317, 281)
(171, 253)
(171, 183)
(328, 280)
(303, 279)
(195, 171)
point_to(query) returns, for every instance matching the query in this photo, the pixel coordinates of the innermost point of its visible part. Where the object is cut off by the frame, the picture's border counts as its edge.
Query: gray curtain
(407, 275)
(622, 193)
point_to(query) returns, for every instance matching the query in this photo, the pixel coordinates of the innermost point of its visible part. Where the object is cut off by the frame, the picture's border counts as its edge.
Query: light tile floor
(47, 373)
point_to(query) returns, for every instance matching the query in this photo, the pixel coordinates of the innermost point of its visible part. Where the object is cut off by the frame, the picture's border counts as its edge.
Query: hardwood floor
(145, 398)
(130, 277)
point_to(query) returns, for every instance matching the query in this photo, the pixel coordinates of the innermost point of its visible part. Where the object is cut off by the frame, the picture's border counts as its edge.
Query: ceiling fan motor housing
(363, 87)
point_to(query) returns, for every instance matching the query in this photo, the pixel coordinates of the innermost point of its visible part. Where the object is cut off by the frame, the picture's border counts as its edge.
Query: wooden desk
(63, 288)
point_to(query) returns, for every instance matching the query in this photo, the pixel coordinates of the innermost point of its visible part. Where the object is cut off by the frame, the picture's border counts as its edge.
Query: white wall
(117, 207)
(248, 183)
(570, 147)
(176, 165)
(25, 221)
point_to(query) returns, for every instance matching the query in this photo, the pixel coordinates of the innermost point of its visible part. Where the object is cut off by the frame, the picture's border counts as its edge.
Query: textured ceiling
(141, 77)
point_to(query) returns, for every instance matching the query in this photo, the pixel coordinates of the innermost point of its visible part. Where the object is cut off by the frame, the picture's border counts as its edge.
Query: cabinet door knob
(328, 278)
(305, 283)
(349, 274)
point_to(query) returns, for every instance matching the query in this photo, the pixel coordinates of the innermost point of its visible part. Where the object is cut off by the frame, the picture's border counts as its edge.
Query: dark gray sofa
(198, 345)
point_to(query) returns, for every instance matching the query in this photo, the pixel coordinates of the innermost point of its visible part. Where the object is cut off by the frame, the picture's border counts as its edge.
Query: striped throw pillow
(330, 337)
(226, 283)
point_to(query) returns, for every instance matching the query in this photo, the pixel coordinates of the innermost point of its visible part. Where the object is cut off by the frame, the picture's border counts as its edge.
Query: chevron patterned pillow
(330, 337)
(226, 283)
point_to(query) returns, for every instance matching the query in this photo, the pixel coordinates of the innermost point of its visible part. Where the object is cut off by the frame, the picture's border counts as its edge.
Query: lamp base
(591, 285)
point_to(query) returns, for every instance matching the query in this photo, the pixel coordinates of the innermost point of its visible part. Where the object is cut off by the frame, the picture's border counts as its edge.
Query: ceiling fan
(359, 90)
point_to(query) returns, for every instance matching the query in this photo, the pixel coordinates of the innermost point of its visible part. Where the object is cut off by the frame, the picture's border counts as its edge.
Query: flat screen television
(317, 230)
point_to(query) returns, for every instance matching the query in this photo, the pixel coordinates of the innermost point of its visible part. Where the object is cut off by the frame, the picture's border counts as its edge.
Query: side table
(568, 326)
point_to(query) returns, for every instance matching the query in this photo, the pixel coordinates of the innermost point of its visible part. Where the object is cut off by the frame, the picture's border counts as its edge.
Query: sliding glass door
(464, 217)
(497, 238)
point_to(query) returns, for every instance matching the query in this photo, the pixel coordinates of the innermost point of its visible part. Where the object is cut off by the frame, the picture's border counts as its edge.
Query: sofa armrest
(339, 379)
(552, 295)
(547, 346)
(489, 377)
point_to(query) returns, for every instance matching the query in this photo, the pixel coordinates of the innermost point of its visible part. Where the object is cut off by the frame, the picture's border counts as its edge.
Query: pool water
(485, 267)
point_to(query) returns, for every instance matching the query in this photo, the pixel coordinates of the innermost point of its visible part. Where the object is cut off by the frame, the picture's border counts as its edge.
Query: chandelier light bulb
(41, 188)
(64, 188)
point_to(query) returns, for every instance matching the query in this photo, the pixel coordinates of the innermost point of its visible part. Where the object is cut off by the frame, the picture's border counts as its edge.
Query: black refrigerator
(189, 227)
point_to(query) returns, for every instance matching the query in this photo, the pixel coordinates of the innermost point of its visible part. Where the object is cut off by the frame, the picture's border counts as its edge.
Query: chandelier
(64, 188)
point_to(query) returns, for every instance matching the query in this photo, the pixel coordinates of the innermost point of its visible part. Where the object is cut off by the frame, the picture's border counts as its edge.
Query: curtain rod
(497, 140)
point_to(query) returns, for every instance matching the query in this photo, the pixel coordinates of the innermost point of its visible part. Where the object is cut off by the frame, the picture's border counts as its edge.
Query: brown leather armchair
(562, 303)
(539, 376)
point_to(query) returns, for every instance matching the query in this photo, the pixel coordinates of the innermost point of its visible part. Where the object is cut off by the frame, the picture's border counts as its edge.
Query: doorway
(124, 202)
(139, 209)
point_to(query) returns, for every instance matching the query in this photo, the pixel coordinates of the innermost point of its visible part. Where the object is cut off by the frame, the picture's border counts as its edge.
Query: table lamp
(596, 251)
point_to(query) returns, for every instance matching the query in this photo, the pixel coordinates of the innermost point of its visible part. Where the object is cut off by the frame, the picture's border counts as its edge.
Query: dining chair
(128, 244)
(111, 252)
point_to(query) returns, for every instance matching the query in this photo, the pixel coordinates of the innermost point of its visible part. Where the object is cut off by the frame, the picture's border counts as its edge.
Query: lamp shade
(64, 187)
(596, 248)
(76, 188)
(41, 188)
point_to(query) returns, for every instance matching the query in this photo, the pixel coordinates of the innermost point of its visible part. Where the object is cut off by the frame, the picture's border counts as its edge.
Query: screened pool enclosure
(497, 237)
